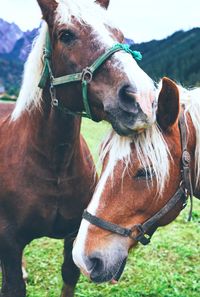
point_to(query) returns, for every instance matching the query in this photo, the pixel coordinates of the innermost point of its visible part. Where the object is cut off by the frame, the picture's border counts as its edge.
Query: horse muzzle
(128, 123)
(126, 114)
(103, 266)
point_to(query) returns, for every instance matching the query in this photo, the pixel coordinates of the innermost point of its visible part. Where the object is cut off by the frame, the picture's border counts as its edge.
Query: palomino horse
(144, 184)
(46, 171)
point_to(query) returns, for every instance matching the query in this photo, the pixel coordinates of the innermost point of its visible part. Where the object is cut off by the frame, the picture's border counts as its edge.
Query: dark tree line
(177, 57)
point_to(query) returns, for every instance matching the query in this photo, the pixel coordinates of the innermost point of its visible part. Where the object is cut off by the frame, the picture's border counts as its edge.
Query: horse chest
(59, 208)
(46, 206)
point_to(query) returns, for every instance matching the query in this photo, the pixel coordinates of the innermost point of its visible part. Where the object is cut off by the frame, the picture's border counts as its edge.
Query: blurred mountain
(15, 46)
(9, 34)
(15, 43)
(129, 41)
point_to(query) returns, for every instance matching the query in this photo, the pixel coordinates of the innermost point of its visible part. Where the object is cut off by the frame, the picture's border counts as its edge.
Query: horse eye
(144, 174)
(67, 36)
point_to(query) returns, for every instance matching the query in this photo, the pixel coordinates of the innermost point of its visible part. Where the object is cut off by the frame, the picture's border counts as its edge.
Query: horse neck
(55, 135)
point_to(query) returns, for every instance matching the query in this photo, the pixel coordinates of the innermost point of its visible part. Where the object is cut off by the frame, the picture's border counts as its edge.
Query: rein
(85, 77)
(147, 229)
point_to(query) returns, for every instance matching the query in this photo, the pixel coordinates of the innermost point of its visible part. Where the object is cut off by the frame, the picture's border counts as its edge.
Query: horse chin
(127, 124)
(131, 131)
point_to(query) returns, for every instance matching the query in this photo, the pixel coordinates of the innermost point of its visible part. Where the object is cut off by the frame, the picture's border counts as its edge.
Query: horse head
(118, 91)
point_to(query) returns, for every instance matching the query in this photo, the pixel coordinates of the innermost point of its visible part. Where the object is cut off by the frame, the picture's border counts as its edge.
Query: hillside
(15, 46)
(177, 57)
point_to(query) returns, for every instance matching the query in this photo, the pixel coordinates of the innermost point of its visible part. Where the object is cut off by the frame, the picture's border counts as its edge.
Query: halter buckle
(54, 102)
(87, 75)
(142, 237)
(186, 158)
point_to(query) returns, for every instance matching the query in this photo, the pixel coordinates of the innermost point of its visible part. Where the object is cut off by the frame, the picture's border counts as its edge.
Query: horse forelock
(151, 150)
(87, 13)
(116, 148)
(84, 11)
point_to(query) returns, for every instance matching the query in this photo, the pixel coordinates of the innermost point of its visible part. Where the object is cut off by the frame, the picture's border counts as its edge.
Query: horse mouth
(109, 276)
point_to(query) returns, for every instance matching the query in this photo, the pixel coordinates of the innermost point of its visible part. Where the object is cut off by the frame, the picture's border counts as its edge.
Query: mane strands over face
(151, 151)
(153, 154)
(30, 94)
(119, 149)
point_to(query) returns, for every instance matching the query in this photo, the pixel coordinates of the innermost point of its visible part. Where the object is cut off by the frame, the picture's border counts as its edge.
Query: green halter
(85, 77)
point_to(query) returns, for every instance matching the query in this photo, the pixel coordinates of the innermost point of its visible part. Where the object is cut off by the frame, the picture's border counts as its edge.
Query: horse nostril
(127, 100)
(97, 267)
(96, 263)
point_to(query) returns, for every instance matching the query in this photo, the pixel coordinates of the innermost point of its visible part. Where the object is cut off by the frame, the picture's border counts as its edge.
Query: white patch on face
(136, 77)
(121, 151)
(146, 94)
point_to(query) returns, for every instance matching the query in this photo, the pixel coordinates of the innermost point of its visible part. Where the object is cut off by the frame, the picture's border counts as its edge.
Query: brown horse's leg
(70, 273)
(13, 284)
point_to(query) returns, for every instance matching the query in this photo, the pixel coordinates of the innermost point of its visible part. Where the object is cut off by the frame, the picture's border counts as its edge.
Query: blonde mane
(86, 12)
(30, 94)
(151, 148)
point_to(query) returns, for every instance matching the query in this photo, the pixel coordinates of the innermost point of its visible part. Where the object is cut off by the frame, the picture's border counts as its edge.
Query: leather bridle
(146, 230)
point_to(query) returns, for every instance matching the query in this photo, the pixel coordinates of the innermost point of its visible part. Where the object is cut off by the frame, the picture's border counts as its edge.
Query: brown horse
(143, 185)
(46, 171)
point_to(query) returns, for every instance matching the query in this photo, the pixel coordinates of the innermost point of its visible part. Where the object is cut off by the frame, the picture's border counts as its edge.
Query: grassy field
(168, 267)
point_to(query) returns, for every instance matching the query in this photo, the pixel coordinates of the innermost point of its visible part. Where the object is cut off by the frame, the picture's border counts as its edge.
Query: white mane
(151, 148)
(86, 12)
(30, 94)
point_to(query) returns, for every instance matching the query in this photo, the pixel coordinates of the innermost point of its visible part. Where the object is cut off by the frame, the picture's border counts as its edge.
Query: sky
(140, 20)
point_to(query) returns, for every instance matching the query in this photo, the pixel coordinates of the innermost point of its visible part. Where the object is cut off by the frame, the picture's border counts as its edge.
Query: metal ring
(87, 75)
(54, 102)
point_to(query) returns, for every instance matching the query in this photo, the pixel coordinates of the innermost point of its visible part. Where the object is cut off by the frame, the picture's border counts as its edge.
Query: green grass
(94, 133)
(168, 267)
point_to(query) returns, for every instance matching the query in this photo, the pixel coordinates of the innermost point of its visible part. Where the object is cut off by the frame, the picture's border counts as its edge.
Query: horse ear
(103, 3)
(168, 104)
(48, 8)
